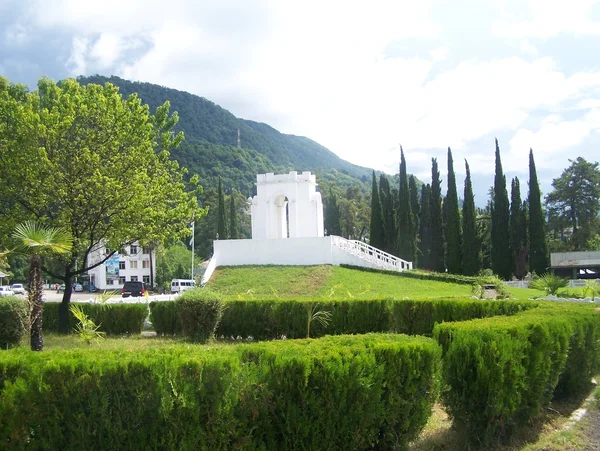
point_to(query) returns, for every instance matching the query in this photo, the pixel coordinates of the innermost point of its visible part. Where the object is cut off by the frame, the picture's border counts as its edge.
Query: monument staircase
(376, 257)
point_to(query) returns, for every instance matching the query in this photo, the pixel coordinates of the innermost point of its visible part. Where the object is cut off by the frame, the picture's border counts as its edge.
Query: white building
(134, 263)
(287, 229)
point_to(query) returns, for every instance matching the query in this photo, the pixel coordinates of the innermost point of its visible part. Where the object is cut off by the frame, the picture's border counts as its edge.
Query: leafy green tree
(501, 252)
(221, 219)
(172, 262)
(453, 234)
(407, 242)
(518, 230)
(332, 215)
(104, 162)
(39, 242)
(355, 214)
(576, 199)
(389, 215)
(538, 247)
(425, 237)
(376, 230)
(594, 243)
(437, 230)
(233, 226)
(471, 246)
(415, 207)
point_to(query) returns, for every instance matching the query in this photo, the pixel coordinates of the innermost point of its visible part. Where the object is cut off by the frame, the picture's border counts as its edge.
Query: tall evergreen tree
(437, 229)
(407, 246)
(376, 231)
(501, 252)
(471, 247)
(518, 230)
(453, 234)
(425, 228)
(233, 226)
(332, 215)
(389, 215)
(416, 212)
(538, 246)
(221, 220)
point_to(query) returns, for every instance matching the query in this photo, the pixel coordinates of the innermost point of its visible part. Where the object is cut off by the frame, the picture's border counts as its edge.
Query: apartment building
(134, 263)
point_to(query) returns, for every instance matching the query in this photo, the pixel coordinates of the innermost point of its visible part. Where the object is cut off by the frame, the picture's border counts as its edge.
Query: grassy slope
(268, 282)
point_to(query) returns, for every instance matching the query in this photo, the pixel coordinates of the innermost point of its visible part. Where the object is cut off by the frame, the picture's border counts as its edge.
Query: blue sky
(358, 77)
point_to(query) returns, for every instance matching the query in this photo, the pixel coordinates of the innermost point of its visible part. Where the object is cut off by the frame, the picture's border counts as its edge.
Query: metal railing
(369, 253)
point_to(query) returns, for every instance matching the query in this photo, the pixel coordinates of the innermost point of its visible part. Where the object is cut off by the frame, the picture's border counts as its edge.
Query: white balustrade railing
(372, 254)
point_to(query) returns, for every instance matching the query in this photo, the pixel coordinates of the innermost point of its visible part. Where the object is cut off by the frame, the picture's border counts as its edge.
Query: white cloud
(77, 61)
(528, 48)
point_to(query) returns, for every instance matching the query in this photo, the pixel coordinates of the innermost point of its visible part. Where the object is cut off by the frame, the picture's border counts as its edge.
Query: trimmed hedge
(502, 371)
(13, 320)
(113, 319)
(199, 311)
(267, 320)
(421, 275)
(345, 392)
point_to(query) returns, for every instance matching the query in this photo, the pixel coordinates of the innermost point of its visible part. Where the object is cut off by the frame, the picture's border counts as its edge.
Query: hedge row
(13, 320)
(267, 320)
(502, 371)
(344, 392)
(421, 275)
(114, 319)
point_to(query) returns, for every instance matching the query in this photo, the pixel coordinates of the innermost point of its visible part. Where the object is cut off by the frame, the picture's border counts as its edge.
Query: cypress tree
(389, 215)
(437, 229)
(221, 220)
(538, 247)
(407, 246)
(453, 235)
(501, 252)
(233, 227)
(332, 215)
(376, 231)
(471, 248)
(415, 207)
(425, 228)
(518, 230)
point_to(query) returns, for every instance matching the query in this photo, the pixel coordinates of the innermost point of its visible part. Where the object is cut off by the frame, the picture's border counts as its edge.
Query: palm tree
(39, 242)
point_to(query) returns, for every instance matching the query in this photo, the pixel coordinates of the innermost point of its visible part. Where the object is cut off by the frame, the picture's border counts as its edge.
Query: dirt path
(590, 429)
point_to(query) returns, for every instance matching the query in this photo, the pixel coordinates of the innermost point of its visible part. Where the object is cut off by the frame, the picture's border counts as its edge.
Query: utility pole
(239, 142)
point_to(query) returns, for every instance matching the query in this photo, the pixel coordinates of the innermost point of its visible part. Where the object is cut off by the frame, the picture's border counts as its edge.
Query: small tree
(39, 241)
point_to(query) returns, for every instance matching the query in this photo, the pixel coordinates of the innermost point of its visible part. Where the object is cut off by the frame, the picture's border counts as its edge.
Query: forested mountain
(210, 147)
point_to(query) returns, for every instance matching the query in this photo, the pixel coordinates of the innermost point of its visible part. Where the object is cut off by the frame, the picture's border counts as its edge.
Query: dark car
(134, 289)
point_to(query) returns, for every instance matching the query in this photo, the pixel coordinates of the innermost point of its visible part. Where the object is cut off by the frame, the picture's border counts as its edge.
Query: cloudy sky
(358, 77)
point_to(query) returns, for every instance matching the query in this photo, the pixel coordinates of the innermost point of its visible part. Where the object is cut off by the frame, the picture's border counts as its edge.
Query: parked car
(61, 288)
(17, 288)
(6, 291)
(180, 285)
(133, 289)
(77, 287)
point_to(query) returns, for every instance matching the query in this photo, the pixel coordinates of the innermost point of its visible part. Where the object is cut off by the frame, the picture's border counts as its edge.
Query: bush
(345, 392)
(113, 319)
(550, 283)
(164, 318)
(199, 311)
(420, 275)
(13, 321)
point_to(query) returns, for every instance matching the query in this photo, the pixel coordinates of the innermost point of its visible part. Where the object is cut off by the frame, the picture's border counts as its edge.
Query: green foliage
(407, 235)
(164, 319)
(518, 230)
(389, 216)
(85, 327)
(549, 283)
(538, 247)
(420, 275)
(332, 215)
(437, 230)
(172, 262)
(233, 226)
(501, 252)
(346, 392)
(453, 233)
(322, 317)
(221, 218)
(113, 319)
(13, 320)
(471, 245)
(199, 311)
(425, 237)
(376, 230)
(592, 288)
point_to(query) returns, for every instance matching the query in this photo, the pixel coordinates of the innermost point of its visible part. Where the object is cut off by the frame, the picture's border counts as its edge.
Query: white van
(179, 285)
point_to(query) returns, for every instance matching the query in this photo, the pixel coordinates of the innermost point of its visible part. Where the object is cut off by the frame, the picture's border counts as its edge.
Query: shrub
(345, 392)
(13, 321)
(164, 318)
(421, 275)
(550, 283)
(199, 311)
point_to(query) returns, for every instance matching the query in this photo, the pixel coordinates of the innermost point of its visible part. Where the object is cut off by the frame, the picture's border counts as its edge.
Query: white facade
(286, 206)
(135, 263)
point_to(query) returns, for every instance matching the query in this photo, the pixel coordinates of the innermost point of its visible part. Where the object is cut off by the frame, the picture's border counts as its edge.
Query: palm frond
(34, 235)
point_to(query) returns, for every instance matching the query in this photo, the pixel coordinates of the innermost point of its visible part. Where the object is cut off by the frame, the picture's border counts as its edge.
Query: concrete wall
(591, 258)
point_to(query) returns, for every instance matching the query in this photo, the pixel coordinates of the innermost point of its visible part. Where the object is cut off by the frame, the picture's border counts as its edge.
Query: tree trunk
(63, 310)
(36, 304)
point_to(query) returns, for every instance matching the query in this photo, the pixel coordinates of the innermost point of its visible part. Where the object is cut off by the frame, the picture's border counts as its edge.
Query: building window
(134, 278)
(121, 265)
(121, 280)
(107, 250)
(145, 264)
(146, 250)
(110, 282)
(133, 264)
(133, 249)
(146, 279)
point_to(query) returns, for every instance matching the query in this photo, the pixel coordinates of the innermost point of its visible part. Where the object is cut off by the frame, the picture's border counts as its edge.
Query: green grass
(306, 282)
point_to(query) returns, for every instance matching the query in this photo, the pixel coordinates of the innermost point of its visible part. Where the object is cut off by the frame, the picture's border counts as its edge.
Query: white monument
(287, 229)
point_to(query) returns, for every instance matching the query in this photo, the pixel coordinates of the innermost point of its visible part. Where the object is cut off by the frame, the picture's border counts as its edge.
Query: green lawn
(270, 282)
